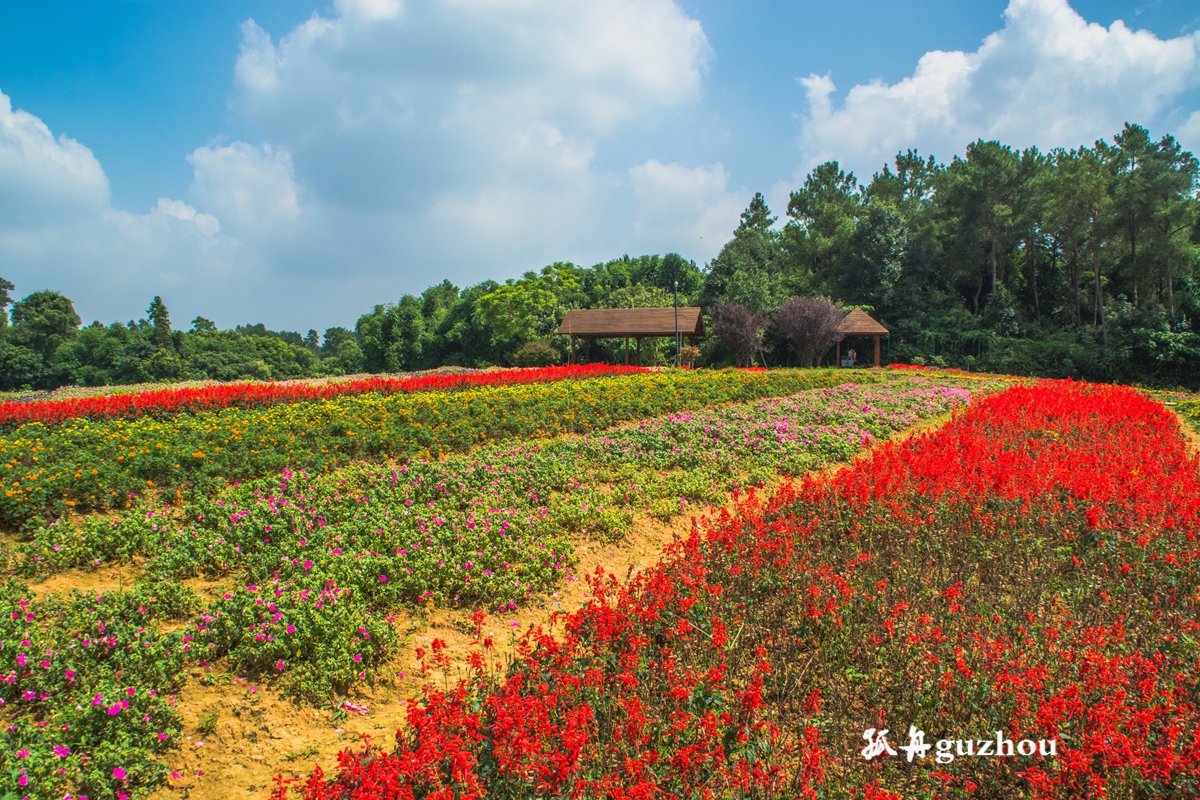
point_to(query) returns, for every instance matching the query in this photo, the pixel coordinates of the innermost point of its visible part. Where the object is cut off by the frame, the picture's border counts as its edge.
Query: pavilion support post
(639, 350)
(571, 357)
(837, 359)
(627, 351)
(876, 337)
(587, 350)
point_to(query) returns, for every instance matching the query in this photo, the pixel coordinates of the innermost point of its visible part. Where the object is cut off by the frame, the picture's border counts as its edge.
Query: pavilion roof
(622, 322)
(860, 323)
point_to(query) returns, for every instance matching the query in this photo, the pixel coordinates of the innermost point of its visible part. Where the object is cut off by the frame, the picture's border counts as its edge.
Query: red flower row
(246, 395)
(1028, 568)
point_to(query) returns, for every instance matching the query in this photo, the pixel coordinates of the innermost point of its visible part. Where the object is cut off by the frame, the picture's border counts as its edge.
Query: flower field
(82, 463)
(166, 402)
(315, 562)
(1029, 568)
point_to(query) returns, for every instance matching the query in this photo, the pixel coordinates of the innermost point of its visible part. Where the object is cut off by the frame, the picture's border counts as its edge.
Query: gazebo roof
(860, 323)
(622, 322)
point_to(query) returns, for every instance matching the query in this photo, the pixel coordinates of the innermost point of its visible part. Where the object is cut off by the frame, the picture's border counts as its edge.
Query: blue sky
(325, 157)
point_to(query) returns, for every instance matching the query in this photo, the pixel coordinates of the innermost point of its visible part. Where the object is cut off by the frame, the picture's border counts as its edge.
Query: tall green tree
(824, 214)
(755, 255)
(977, 195)
(43, 322)
(160, 318)
(5, 301)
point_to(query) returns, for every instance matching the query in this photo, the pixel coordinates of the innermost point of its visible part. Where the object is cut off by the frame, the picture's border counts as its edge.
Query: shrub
(538, 353)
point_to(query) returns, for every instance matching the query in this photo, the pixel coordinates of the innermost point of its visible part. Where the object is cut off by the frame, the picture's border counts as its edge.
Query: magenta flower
(119, 773)
(279, 665)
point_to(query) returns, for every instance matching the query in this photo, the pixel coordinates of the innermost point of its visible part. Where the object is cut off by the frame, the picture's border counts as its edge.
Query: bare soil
(239, 735)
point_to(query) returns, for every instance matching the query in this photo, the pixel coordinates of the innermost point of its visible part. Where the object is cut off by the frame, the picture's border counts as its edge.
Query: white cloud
(1189, 133)
(252, 188)
(462, 134)
(59, 230)
(43, 178)
(678, 208)
(369, 10)
(1047, 78)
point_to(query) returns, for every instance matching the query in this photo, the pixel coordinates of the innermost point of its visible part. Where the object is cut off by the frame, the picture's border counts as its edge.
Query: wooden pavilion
(629, 323)
(860, 323)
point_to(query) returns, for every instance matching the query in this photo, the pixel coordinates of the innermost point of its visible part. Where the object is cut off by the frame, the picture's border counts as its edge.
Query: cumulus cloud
(457, 139)
(681, 208)
(1047, 78)
(252, 188)
(43, 178)
(1189, 132)
(401, 143)
(59, 230)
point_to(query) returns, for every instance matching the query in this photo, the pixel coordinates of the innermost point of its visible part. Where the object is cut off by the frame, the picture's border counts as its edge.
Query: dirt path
(1189, 433)
(238, 735)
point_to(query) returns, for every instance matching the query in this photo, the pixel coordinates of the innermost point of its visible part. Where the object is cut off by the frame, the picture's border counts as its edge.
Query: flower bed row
(1029, 569)
(166, 402)
(83, 463)
(86, 689)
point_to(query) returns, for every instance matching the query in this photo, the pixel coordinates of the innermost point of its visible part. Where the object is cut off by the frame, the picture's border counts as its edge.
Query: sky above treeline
(295, 163)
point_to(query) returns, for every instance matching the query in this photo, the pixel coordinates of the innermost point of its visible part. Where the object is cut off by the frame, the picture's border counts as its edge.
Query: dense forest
(1082, 263)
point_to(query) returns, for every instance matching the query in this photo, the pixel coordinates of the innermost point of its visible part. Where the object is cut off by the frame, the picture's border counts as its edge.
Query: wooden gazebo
(629, 323)
(860, 323)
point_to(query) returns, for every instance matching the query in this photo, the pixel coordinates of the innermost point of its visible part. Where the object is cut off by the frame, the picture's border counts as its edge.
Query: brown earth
(238, 736)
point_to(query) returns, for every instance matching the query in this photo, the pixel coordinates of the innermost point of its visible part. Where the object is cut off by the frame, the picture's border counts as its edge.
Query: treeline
(1081, 263)
(42, 345)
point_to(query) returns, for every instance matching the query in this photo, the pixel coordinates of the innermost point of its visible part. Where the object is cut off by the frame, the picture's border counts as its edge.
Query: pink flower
(23, 780)
(62, 751)
(279, 664)
(383, 578)
(358, 656)
(291, 628)
(119, 773)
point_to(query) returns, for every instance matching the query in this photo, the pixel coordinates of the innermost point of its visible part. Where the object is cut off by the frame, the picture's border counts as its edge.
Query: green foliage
(101, 670)
(83, 463)
(538, 353)
(319, 638)
(1080, 263)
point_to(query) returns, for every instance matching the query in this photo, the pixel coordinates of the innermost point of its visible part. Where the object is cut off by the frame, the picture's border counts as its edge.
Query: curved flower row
(85, 463)
(1030, 569)
(164, 402)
